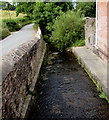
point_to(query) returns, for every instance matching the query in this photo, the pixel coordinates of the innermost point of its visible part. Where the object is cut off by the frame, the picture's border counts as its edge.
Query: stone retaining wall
(90, 33)
(20, 72)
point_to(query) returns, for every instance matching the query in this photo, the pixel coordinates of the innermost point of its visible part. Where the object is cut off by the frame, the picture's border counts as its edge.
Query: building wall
(99, 45)
(102, 30)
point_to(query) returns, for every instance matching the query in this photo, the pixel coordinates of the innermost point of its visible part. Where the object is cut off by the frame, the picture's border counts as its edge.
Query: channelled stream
(64, 90)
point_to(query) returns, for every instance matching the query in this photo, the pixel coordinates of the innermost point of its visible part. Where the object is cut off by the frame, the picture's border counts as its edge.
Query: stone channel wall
(90, 33)
(20, 72)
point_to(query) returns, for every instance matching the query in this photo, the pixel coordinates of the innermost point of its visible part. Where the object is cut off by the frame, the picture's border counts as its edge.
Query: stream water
(66, 91)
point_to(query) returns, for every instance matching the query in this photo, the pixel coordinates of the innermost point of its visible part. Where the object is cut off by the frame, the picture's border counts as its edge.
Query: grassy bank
(11, 23)
(5, 14)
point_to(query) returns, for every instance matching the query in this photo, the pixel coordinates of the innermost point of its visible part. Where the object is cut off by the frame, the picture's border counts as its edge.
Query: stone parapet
(20, 70)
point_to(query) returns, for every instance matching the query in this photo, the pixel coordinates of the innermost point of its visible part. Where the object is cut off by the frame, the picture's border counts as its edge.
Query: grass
(36, 26)
(102, 95)
(9, 22)
(79, 43)
(5, 14)
(4, 33)
(76, 44)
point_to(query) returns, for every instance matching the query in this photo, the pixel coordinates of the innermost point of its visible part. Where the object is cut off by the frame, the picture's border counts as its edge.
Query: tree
(88, 9)
(6, 6)
(45, 14)
(25, 7)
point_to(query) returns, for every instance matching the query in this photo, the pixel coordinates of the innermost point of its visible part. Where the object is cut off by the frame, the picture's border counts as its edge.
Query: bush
(12, 24)
(24, 21)
(15, 24)
(4, 33)
(88, 9)
(79, 43)
(67, 29)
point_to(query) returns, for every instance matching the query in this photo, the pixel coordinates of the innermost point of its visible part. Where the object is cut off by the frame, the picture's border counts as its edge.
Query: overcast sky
(25, 0)
(6, 0)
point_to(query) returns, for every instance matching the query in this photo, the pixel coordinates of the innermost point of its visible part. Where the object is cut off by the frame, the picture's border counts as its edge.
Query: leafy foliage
(15, 24)
(25, 7)
(67, 29)
(6, 6)
(46, 13)
(77, 43)
(23, 21)
(88, 9)
(4, 33)
(12, 25)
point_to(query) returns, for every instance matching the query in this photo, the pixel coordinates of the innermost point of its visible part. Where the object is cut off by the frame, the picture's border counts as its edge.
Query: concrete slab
(94, 65)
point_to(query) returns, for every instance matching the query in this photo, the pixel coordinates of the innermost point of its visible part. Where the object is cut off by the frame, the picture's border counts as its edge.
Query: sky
(25, 0)
(6, 0)
(39, 0)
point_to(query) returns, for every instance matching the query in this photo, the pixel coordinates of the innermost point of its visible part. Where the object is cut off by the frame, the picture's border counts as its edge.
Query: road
(17, 38)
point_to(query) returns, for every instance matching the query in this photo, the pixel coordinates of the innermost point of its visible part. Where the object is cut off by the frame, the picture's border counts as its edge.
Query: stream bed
(66, 91)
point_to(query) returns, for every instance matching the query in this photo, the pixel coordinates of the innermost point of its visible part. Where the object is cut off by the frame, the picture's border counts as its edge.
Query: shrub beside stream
(68, 30)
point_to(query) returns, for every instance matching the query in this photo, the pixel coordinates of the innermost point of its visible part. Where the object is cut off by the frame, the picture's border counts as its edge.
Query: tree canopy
(45, 14)
(25, 7)
(88, 9)
(6, 6)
